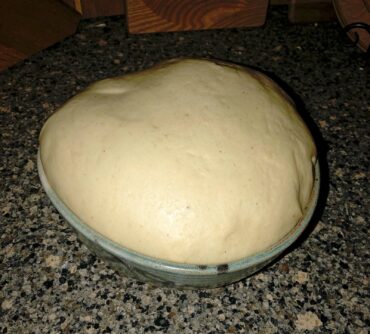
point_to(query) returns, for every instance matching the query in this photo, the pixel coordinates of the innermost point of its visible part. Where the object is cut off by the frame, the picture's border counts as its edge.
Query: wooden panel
(95, 8)
(355, 11)
(177, 15)
(9, 56)
(75, 4)
(308, 11)
(27, 26)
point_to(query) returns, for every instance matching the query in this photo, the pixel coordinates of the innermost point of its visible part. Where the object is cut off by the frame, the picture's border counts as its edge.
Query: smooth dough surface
(191, 161)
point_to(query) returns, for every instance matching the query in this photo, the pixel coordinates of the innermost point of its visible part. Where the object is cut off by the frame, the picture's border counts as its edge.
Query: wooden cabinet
(95, 8)
(179, 15)
(28, 26)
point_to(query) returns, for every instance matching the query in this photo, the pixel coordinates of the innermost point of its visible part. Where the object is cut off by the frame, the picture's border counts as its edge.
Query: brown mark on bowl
(222, 268)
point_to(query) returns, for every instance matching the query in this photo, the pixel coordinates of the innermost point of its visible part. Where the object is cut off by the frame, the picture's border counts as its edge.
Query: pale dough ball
(191, 161)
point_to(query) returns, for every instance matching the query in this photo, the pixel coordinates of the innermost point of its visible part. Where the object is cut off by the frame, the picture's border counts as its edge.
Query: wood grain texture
(179, 15)
(355, 11)
(28, 26)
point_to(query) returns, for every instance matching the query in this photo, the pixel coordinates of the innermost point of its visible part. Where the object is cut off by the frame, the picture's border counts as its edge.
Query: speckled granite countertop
(50, 283)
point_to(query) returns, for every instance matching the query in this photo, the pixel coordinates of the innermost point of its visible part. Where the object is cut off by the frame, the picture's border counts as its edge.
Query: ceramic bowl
(170, 274)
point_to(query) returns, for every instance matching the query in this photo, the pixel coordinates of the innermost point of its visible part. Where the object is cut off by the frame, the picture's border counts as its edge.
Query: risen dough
(191, 161)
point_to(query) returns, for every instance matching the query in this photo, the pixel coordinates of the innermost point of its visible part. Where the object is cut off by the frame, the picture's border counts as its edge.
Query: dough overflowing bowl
(171, 274)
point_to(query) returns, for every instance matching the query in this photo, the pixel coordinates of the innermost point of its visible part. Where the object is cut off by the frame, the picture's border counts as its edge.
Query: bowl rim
(120, 251)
